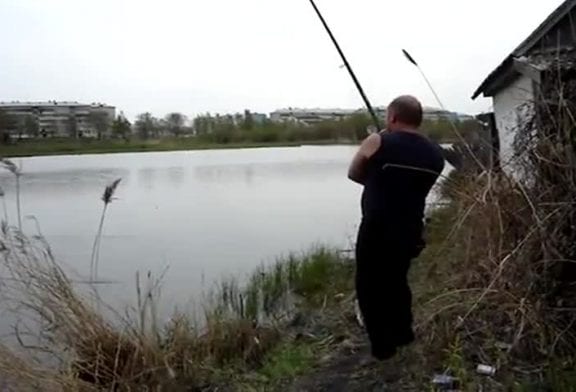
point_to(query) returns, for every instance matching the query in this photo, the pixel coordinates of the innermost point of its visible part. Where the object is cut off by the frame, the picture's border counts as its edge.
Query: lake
(203, 215)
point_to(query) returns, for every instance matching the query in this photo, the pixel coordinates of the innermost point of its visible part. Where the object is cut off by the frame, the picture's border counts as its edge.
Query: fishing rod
(375, 119)
(411, 59)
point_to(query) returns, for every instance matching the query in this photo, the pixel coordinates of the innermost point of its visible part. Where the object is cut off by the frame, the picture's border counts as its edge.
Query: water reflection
(146, 177)
(247, 173)
(63, 180)
(176, 176)
(150, 177)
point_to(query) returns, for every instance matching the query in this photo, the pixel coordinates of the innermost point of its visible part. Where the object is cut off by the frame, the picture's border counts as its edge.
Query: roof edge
(488, 83)
(556, 16)
(552, 19)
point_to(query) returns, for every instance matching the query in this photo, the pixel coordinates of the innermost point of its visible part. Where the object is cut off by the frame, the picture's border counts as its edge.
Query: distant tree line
(173, 124)
(442, 130)
(224, 129)
(232, 129)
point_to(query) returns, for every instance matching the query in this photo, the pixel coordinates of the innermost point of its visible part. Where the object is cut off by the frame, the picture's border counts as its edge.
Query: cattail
(108, 195)
(107, 198)
(10, 166)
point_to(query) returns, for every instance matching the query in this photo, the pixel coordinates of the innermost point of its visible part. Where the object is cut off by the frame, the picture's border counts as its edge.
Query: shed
(517, 83)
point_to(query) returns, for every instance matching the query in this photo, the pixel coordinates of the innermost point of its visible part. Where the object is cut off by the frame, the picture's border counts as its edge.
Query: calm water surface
(204, 215)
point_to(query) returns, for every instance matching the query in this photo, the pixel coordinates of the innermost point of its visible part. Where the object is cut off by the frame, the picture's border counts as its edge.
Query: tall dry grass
(66, 343)
(506, 273)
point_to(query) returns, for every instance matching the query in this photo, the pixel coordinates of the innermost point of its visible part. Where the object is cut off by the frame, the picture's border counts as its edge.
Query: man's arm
(357, 170)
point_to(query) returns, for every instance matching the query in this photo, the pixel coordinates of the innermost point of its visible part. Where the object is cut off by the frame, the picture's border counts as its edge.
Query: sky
(198, 56)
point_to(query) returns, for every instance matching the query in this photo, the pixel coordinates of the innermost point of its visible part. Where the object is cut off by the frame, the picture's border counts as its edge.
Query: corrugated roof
(528, 44)
(545, 60)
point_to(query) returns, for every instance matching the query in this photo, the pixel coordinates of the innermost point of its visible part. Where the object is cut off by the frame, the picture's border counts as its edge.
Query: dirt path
(351, 369)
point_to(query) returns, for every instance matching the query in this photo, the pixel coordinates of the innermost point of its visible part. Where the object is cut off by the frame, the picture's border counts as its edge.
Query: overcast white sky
(197, 56)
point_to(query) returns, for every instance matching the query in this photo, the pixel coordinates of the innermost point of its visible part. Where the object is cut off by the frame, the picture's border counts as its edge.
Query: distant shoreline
(47, 147)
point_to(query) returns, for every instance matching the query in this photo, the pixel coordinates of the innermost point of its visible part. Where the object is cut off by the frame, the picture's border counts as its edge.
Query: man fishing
(397, 167)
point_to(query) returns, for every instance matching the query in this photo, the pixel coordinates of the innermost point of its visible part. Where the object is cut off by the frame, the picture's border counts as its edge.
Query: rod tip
(410, 58)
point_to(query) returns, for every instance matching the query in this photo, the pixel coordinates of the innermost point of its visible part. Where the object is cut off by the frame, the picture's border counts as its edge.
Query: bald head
(405, 111)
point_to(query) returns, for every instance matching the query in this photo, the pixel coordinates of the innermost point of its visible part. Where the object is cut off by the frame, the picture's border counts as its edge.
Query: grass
(87, 146)
(244, 331)
(287, 361)
(299, 280)
(256, 336)
(497, 286)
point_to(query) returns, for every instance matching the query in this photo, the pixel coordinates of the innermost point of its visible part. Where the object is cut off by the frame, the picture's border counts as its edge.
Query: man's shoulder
(416, 145)
(371, 144)
(408, 138)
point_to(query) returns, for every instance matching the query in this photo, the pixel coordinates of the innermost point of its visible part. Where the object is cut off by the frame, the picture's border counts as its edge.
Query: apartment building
(314, 116)
(59, 119)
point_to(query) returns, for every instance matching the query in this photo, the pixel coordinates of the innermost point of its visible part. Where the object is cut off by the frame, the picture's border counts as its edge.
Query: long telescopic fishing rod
(348, 67)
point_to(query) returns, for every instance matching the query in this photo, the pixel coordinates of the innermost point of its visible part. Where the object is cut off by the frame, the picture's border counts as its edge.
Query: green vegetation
(171, 133)
(287, 361)
(121, 128)
(230, 129)
(54, 146)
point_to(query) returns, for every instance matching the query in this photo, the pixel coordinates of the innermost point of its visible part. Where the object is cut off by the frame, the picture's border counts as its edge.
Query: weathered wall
(512, 109)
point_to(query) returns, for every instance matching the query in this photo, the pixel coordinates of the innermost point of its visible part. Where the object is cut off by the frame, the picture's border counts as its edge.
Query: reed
(17, 173)
(107, 198)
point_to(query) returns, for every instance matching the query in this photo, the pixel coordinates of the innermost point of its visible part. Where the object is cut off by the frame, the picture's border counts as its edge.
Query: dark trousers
(382, 262)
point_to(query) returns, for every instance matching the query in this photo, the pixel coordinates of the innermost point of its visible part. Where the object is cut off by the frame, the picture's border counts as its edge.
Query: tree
(160, 127)
(203, 124)
(358, 125)
(248, 122)
(7, 124)
(146, 125)
(100, 122)
(175, 123)
(470, 128)
(121, 127)
(223, 129)
(439, 130)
